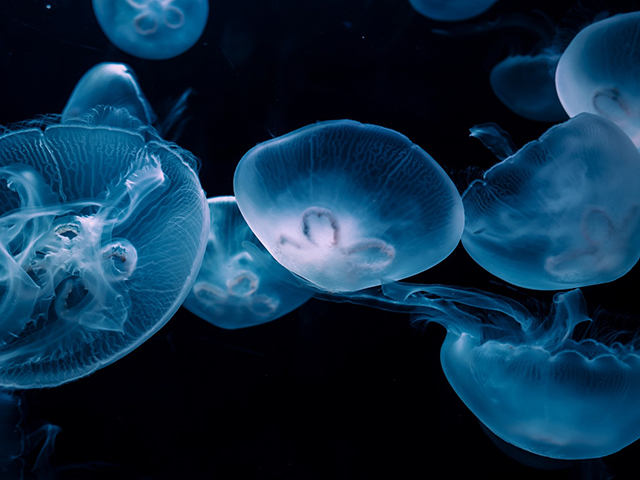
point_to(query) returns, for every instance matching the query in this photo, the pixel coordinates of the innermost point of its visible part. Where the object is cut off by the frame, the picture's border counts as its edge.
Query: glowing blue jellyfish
(562, 212)
(537, 388)
(599, 72)
(526, 85)
(152, 29)
(333, 202)
(451, 10)
(112, 84)
(233, 290)
(103, 226)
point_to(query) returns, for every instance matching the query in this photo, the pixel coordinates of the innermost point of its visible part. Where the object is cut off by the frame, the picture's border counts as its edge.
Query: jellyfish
(333, 202)
(599, 73)
(108, 83)
(537, 383)
(451, 11)
(562, 212)
(152, 29)
(103, 227)
(233, 289)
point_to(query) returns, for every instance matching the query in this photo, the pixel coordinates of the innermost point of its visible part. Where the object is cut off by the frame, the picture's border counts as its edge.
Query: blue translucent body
(103, 227)
(451, 10)
(332, 202)
(526, 84)
(233, 290)
(113, 84)
(599, 72)
(562, 212)
(153, 29)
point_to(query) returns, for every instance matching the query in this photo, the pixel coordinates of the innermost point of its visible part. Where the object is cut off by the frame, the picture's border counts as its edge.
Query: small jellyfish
(113, 84)
(599, 72)
(234, 290)
(103, 226)
(562, 212)
(333, 202)
(451, 10)
(152, 29)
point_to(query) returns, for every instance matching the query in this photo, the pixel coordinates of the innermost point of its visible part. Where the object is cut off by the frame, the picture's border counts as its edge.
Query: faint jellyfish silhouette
(108, 83)
(233, 290)
(451, 11)
(17, 442)
(103, 226)
(152, 29)
(562, 212)
(599, 72)
(536, 387)
(333, 202)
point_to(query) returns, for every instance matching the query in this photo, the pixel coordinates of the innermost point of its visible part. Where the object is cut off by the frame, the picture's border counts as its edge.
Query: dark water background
(329, 391)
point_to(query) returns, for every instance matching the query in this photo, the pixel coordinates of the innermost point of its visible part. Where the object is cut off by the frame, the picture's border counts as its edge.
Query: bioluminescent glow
(333, 202)
(451, 10)
(152, 29)
(233, 290)
(562, 212)
(599, 72)
(112, 84)
(103, 228)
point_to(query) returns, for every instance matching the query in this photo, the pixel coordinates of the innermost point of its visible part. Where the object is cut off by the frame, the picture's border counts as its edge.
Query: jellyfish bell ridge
(332, 203)
(120, 217)
(152, 29)
(234, 288)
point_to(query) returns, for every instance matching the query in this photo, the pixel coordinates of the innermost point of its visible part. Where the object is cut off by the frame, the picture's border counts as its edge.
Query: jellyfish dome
(347, 206)
(234, 290)
(562, 212)
(108, 83)
(526, 85)
(451, 10)
(599, 72)
(152, 29)
(536, 387)
(103, 226)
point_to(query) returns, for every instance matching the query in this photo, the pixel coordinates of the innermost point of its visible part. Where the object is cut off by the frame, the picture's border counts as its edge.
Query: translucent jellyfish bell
(451, 10)
(562, 212)
(233, 290)
(113, 84)
(152, 29)
(333, 202)
(536, 388)
(103, 226)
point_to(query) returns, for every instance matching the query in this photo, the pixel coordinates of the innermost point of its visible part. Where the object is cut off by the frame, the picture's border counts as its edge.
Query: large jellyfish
(562, 212)
(103, 227)
(152, 29)
(108, 83)
(234, 290)
(451, 11)
(599, 72)
(333, 202)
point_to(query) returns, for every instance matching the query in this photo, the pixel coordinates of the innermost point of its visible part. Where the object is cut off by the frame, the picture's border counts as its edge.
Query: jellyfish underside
(332, 201)
(451, 11)
(234, 289)
(86, 216)
(152, 29)
(558, 214)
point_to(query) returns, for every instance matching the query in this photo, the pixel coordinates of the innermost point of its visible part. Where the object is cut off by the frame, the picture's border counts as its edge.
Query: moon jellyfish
(599, 72)
(333, 202)
(233, 290)
(537, 388)
(113, 84)
(103, 227)
(152, 29)
(562, 212)
(451, 11)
